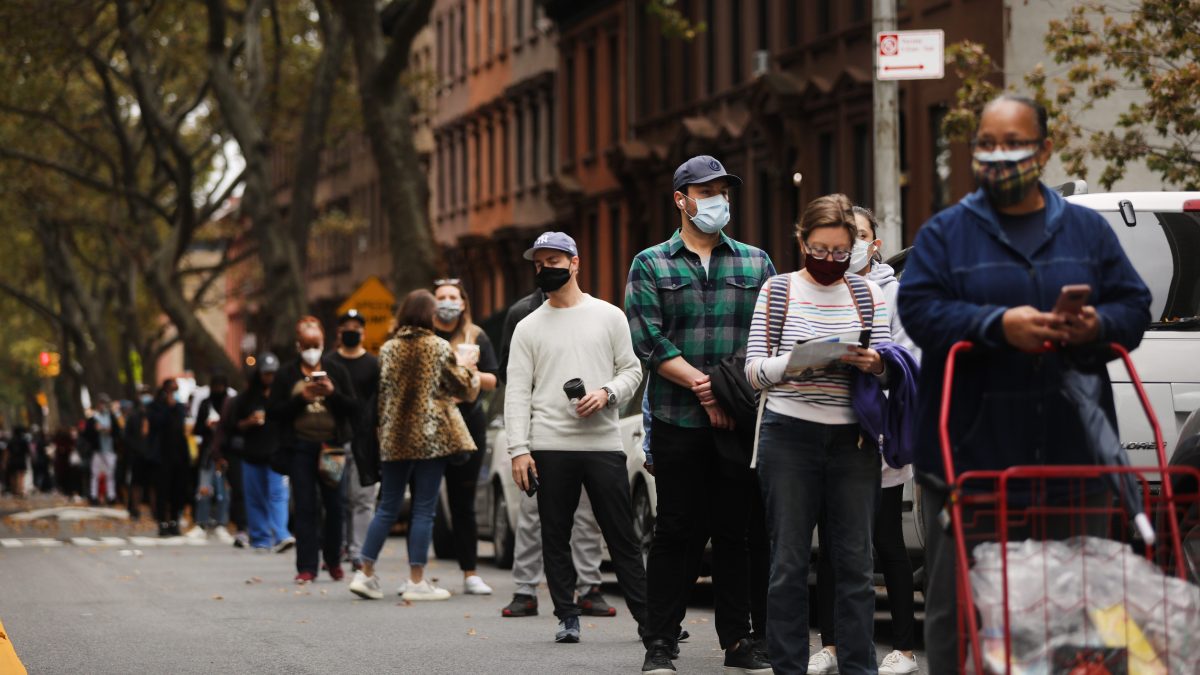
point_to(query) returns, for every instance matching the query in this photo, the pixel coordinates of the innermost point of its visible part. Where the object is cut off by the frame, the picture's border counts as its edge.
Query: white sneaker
(197, 533)
(403, 587)
(823, 663)
(897, 663)
(475, 585)
(223, 535)
(425, 591)
(366, 587)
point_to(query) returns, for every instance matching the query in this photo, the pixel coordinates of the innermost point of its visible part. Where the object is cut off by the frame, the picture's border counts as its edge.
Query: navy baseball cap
(268, 362)
(702, 169)
(559, 241)
(352, 315)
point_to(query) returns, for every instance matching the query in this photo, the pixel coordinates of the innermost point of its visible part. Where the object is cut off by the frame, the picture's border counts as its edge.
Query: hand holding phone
(1072, 299)
(533, 482)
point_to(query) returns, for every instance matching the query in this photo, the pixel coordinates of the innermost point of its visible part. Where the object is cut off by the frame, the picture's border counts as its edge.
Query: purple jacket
(890, 420)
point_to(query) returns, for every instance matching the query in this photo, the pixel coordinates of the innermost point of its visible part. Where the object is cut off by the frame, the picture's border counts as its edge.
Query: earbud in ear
(680, 202)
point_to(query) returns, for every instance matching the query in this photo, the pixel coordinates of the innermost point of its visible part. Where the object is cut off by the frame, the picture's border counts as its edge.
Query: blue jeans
(426, 476)
(215, 481)
(804, 468)
(266, 505)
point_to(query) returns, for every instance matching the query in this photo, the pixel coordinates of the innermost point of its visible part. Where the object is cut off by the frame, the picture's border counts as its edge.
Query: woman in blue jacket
(989, 269)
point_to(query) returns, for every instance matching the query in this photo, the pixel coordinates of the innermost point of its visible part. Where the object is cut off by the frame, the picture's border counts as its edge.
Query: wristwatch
(612, 396)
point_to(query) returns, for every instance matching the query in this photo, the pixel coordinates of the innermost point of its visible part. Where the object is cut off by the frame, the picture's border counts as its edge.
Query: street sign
(910, 55)
(376, 303)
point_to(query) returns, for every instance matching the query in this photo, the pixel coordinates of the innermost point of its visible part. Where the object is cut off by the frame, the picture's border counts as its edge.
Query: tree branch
(412, 17)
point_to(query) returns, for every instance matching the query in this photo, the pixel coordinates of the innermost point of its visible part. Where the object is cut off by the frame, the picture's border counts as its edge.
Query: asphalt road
(101, 598)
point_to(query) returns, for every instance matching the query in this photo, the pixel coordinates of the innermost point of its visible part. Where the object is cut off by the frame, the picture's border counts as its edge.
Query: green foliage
(672, 21)
(1147, 58)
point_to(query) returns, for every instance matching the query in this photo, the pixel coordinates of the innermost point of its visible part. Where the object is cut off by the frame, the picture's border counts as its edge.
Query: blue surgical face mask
(712, 214)
(146, 399)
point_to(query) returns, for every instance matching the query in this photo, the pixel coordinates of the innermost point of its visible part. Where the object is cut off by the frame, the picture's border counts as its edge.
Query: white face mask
(311, 356)
(859, 257)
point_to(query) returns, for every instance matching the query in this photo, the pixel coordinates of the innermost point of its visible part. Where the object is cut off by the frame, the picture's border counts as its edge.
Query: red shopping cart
(1053, 575)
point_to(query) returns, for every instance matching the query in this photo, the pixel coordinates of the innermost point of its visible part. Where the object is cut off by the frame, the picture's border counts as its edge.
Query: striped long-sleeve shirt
(813, 311)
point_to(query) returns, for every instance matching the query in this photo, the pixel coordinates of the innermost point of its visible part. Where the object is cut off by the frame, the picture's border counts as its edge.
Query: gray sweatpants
(358, 508)
(585, 547)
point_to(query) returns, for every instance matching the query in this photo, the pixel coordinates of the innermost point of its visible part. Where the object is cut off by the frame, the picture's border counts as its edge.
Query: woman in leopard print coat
(419, 427)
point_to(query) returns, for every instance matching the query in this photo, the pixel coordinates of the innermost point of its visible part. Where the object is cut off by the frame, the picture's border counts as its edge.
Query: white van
(1160, 232)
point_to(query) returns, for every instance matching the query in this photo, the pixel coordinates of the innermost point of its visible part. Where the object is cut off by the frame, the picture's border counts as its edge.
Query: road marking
(105, 542)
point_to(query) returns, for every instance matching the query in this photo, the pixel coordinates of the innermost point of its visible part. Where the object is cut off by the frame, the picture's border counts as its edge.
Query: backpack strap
(864, 302)
(777, 310)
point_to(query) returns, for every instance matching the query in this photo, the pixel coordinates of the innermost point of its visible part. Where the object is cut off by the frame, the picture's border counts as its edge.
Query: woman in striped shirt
(810, 456)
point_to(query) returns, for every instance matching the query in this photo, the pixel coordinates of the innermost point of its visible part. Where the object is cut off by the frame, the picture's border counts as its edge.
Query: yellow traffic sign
(377, 304)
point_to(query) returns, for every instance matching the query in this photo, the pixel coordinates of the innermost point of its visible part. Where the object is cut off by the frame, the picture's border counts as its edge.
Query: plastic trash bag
(1085, 599)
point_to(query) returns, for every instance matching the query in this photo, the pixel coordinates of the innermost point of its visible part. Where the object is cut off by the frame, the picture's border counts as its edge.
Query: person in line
(990, 270)
(888, 536)
(689, 302)
(358, 502)
(212, 496)
(566, 445)
(16, 455)
(452, 322)
(419, 428)
(169, 448)
(811, 456)
(255, 439)
(586, 550)
(136, 439)
(313, 406)
(103, 428)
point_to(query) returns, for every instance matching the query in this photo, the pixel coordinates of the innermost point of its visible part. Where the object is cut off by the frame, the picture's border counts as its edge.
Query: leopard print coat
(418, 382)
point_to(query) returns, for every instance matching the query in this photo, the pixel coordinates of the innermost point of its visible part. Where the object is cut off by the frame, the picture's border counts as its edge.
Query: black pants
(561, 474)
(172, 493)
(760, 561)
(897, 573)
(460, 492)
(237, 495)
(310, 495)
(700, 496)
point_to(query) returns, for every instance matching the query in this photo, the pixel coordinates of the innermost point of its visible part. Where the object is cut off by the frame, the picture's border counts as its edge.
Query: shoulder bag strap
(864, 302)
(777, 310)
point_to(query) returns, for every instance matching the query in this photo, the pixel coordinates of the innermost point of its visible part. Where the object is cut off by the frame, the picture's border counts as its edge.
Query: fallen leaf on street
(217, 597)
(470, 631)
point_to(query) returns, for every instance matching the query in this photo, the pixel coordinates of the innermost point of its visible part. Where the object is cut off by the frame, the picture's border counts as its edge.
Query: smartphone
(533, 483)
(318, 375)
(1072, 298)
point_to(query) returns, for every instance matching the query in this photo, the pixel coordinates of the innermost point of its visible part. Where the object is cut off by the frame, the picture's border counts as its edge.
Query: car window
(1164, 248)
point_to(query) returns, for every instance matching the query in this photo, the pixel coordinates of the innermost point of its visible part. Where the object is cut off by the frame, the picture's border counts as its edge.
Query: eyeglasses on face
(822, 253)
(990, 144)
(447, 282)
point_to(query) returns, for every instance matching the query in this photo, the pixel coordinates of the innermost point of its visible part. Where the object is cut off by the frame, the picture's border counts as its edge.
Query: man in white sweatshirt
(568, 445)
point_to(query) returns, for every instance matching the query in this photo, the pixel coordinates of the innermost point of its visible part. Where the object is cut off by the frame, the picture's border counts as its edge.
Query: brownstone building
(771, 87)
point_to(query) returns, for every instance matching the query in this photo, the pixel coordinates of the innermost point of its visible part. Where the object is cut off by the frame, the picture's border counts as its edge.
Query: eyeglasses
(823, 253)
(990, 144)
(447, 282)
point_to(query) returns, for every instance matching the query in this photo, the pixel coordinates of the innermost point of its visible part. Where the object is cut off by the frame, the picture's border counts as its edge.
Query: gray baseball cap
(268, 363)
(559, 241)
(702, 169)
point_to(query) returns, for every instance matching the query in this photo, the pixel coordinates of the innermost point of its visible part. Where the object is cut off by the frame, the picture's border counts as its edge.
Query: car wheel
(443, 535)
(503, 536)
(643, 519)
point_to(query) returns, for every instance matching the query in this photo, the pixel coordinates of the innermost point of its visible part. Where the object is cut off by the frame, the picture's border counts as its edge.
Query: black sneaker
(521, 605)
(592, 604)
(742, 658)
(760, 650)
(568, 631)
(658, 659)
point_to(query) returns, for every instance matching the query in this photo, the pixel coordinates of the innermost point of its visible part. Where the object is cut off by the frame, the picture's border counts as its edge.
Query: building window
(618, 254)
(685, 56)
(764, 19)
(614, 86)
(827, 163)
(858, 10)
(551, 136)
(505, 157)
(493, 164)
(590, 66)
(535, 143)
(519, 20)
(643, 82)
(710, 48)
(441, 176)
(664, 75)
(478, 166)
(503, 28)
(519, 126)
(863, 168)
(764, 220)
(941, 160)
(569, 82)
(491, 28)
(593, 253)
(441, 52)
(824, 16)
(452, 171)
(735, 32)
(478, 33)
(793, 23)
(462, 171)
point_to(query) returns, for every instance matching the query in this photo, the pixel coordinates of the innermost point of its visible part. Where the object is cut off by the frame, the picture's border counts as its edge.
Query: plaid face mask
(1006, 176)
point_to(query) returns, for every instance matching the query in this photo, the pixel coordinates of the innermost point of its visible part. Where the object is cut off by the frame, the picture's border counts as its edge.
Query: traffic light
(49, 364)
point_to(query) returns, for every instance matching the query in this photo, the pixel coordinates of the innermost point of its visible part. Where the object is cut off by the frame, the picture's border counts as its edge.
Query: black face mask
(351, 338)
(551, 279)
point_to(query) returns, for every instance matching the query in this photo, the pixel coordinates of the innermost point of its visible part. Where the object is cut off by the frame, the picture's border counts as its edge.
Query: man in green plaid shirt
(689, 301)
